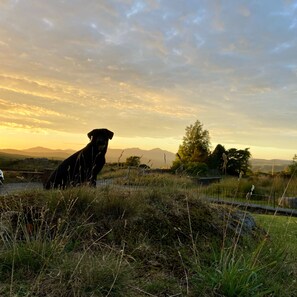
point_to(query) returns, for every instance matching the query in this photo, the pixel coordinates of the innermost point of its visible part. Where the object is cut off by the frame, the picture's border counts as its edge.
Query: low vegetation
(142, 233)
(267, 189)
(157, 240)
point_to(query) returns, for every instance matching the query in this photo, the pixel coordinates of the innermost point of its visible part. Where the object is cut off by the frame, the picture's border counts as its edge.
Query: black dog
(83, 166)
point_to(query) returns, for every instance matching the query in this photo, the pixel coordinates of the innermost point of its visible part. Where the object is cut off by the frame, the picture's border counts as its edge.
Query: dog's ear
(97, 132)
(109, 134)
(91, 134)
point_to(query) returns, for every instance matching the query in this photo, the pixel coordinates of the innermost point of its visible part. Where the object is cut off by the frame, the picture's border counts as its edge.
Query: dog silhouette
(82, 167)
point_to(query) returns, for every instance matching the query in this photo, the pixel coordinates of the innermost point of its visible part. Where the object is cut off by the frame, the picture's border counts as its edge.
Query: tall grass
(267, 190)
(49, 246)
(155, 240)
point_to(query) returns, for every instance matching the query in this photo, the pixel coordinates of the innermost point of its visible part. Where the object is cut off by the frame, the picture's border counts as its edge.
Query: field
(283, 232)
(143, 235)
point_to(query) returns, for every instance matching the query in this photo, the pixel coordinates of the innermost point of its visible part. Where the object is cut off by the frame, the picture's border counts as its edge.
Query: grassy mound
(131, 242)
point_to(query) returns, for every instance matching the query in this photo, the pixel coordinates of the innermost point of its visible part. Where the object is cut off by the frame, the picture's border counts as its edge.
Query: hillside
(274, 165)
(155, 157)
(38, 152)
(157, 240)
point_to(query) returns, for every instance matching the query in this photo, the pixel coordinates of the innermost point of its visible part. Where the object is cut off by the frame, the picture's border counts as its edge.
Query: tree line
(195, 157)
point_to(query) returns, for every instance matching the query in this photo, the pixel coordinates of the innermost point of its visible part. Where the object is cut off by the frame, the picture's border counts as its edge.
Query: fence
(270, 201)
(223, 194)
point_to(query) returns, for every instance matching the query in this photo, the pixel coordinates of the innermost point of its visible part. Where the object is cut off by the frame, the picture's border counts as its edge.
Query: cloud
(149, 68)
(68, 108)
(281, 47)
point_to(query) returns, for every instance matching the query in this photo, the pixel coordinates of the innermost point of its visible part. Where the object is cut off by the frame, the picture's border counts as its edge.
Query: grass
(283, 233)
(268, 190)
(140, 177)
(155, 238)
(235, 276)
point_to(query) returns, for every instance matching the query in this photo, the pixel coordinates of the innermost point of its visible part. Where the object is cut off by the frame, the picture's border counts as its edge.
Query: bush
(196, 169)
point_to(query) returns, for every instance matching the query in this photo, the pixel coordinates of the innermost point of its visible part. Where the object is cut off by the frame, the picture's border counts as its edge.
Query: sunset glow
(147, 69)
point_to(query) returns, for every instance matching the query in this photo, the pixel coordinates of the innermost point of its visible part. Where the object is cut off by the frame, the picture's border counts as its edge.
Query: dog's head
(100, 137)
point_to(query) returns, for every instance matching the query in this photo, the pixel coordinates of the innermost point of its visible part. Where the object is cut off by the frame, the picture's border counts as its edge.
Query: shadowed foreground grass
(137, 242)
(282, 231)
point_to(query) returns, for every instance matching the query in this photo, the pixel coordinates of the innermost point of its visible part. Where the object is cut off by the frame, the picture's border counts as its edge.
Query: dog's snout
(101, 141)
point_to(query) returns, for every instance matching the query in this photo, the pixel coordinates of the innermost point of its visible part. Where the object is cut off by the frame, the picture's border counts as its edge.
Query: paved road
(257, 207)
(15, 187)
(10, 188)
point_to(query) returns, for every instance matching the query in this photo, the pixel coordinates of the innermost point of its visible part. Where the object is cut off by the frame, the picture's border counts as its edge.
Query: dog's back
(62, 176)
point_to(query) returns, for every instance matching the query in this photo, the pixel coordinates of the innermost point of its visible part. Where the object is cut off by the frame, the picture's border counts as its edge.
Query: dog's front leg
(93, 177)
(97, 167)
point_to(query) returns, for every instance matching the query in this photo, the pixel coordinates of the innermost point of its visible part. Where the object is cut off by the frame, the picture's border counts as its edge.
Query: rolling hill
(156, 158)
(274, 165)
(38, 152)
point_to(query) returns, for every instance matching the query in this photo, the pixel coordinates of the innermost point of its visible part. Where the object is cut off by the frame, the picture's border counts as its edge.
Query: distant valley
(156, 158)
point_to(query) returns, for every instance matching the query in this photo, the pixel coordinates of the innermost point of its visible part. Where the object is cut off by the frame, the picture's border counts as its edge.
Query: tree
(238, 161)
(194, 151)
(196, 169)
(133, 161)
(196, 144)
(215, 160)
(293, 166)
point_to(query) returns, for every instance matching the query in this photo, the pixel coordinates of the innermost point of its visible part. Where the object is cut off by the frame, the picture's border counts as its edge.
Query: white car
(1, 177)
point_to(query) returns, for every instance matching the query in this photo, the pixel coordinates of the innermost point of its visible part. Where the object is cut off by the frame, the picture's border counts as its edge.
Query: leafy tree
(133, 161)
(215, 160)
(293, 166)
(196, 144)
(194, 157)
(238, 161)
(194, 151)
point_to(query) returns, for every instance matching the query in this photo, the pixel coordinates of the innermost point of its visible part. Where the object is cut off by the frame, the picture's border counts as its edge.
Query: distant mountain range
(156, 158)
(38, 152)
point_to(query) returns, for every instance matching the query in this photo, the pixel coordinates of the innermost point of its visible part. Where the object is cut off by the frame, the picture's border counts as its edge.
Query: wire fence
(271, 199)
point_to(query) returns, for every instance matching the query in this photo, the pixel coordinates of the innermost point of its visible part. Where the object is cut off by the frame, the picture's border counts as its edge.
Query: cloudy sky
(146, 70)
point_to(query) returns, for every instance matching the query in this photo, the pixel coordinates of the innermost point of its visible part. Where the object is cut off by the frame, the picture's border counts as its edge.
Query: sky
(148, 69)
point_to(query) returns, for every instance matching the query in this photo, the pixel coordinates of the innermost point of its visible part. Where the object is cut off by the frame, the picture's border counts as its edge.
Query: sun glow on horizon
(64, 140)
(147, 71)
